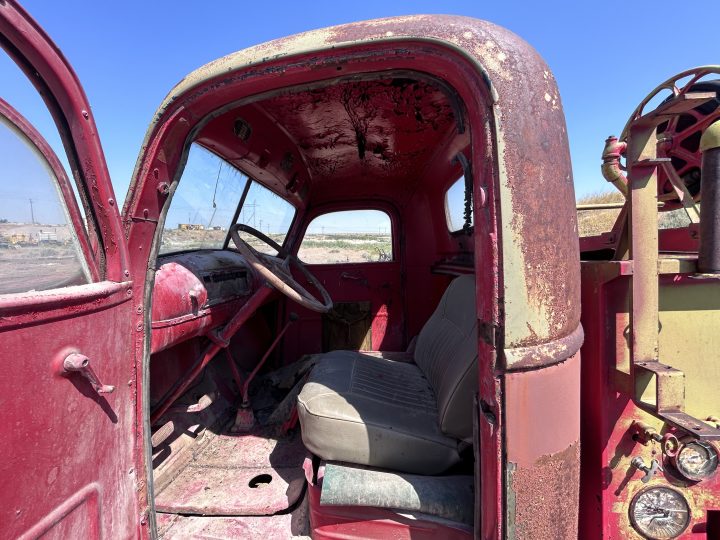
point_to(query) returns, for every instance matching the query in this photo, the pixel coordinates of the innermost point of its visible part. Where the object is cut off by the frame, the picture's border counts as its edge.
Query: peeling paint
(546, 497)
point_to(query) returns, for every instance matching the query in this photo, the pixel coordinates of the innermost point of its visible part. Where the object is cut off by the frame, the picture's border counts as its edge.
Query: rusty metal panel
(538, 224)
(688, 335)
(543, 451)
(528, 281)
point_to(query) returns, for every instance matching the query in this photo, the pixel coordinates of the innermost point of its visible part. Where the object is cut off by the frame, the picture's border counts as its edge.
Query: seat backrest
(447, 353)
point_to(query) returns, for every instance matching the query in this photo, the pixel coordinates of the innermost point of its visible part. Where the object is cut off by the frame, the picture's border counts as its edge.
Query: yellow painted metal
(668, 384)
(642, 175)
(648, 375)
(677, 265)
(690, 340)
(711, 137)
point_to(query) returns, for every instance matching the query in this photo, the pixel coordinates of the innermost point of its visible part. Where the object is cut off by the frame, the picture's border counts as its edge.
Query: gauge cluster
(662, 511)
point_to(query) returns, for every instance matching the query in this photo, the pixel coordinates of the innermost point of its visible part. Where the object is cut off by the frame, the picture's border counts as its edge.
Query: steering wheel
(276, 270)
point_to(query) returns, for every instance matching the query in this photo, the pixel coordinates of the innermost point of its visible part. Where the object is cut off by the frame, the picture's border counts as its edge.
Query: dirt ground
(595, 222)
(37, 257)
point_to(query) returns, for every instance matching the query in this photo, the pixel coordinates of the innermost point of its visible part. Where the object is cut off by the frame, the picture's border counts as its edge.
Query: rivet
(111, 202)
(85, 115)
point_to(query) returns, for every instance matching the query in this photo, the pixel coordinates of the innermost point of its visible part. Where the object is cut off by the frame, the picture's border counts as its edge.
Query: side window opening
(455, 206)
(45, 237)
(348, 236)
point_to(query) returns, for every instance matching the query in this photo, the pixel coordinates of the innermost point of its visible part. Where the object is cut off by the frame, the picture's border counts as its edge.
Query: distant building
(46, 236)
(218, 228)
(190, 227)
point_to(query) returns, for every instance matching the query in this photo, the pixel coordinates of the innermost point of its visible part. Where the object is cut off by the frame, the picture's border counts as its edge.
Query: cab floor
(293, 524)
(255, 474)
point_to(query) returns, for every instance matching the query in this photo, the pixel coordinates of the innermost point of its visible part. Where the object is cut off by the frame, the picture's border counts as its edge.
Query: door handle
(79, 363)
(352, 277)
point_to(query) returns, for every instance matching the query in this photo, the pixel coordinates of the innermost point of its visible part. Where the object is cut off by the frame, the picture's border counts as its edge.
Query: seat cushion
(373, 411)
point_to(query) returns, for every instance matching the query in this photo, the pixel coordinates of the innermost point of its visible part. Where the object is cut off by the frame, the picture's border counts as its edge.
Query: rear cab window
(348, 236)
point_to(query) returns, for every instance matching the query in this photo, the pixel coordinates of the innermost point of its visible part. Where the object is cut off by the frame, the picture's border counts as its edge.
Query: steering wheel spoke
(277, 270)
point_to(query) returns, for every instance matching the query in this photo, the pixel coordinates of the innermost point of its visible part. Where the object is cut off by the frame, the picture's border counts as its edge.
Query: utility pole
(252, 216)
(32, 213)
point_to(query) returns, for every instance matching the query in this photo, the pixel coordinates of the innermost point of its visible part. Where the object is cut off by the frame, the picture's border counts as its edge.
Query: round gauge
(696, 461)
(659, 513)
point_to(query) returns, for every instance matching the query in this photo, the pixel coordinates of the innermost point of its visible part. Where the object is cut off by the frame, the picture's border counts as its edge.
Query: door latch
(79, 363)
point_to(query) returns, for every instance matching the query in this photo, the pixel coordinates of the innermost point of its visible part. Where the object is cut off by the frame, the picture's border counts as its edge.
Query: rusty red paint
(357, 523)
(542, 516)
(543, 450)
(546, 354)
(27, 309)
(520, 157)
(610, 418)
(553, 292)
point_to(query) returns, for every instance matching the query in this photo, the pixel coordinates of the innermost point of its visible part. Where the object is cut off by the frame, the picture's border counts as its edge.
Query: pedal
(203, 403)
(162, 434)
(244, 421)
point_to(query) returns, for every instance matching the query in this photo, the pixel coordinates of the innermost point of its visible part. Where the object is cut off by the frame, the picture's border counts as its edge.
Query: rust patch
(546, 497)
(373, 129)
(545, 354)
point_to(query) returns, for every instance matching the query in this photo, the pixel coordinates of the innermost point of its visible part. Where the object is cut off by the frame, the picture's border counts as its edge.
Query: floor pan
(256, 474)
(289, 525)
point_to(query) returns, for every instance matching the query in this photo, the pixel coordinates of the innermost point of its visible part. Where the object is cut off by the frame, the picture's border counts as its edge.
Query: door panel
(67, 451)
(377, 284)
(71, 450)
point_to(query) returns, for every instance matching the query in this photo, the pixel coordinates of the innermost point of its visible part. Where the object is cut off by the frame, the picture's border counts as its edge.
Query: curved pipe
(611, 170)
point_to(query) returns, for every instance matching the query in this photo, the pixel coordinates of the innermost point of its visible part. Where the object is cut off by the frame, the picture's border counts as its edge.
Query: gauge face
(696, 461)
(659, 513)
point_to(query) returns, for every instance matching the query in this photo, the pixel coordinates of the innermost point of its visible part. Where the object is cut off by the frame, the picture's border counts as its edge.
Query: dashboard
(196, 292)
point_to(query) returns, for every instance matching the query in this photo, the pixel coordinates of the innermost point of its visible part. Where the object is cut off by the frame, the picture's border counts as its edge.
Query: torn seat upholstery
(406, 414)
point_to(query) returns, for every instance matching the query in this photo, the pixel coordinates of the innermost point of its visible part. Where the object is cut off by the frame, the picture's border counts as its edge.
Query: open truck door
(67, 319)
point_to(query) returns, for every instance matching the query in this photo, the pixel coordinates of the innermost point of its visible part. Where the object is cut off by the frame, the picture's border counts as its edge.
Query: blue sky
(606, 57)
(21, 165)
